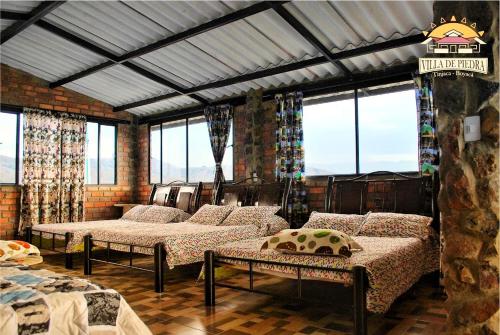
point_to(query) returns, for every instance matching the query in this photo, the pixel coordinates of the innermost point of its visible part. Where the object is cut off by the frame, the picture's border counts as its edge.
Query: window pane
(107, 155)
(21, 147)
(8, 127)
(91, 153)
(155, 156)
(201, 159)
(174, 151)
(329, 138)
(388, 138)
(227, 162)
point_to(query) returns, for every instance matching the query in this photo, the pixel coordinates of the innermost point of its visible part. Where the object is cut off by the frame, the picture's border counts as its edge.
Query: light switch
(472, 128)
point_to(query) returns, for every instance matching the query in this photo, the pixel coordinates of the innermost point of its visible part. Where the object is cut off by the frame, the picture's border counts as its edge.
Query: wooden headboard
(259, 192)
(384, 191)
(177, 194)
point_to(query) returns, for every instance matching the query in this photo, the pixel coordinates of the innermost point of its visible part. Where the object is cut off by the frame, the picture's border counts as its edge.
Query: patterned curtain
(219, 125)
(426, 113)
(290, 153)
(53, 167)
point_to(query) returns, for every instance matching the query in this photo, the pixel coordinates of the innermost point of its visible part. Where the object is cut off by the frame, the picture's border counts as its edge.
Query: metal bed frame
(159, 252)
(359, 286)
(68, 256)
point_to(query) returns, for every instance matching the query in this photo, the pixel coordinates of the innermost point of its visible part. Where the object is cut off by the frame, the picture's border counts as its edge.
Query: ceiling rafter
(31, 18)
(202, 28)
(359, 51)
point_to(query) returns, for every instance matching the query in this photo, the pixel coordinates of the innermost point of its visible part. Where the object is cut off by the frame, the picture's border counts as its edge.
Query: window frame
(186, 124)
(110, 124)
(8, 110)
(403, 86)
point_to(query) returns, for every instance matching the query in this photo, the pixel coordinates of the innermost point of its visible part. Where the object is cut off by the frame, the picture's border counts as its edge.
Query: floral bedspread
(185, 243)
(79, 230)
(393, 264)
(44, 302)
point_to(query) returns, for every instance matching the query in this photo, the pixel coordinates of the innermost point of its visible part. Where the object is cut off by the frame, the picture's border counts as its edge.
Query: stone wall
(23, 89)
(469, 183)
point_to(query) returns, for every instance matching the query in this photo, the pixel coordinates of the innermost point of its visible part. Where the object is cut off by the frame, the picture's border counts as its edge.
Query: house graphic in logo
(453, 37)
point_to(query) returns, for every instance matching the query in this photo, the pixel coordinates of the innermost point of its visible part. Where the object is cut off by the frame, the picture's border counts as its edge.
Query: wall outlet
(472, 128)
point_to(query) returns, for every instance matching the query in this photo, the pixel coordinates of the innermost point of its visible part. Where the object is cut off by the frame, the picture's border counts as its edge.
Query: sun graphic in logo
(453, 37)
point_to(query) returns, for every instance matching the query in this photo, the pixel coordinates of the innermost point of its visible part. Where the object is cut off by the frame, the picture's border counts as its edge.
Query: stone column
(469, 175)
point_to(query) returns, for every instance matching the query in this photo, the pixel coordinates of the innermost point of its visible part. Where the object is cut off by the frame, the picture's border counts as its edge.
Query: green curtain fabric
(53, 168)
(290, 153)
(219, 125)
(428, 146)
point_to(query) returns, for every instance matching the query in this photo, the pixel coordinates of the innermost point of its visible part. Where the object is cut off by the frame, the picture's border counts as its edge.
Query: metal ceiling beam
(308, 36)
(202, 28)
(377, 47)
(8, 15)
(33, 17)
(113, 59)
(361, 80)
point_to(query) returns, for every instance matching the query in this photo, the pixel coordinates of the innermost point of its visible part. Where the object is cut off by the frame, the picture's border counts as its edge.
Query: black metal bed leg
(159, 261)
(28, 235)
(359, 299)
(209, 278)
(87, 255)
(68, 261)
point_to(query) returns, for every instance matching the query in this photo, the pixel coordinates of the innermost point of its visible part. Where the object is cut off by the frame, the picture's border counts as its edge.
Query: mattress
(392, 264)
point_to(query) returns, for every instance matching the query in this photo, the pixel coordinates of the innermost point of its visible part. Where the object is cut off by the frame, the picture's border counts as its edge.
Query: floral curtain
(426, 113)
(219, 125)
(290, 152)
(53, 167)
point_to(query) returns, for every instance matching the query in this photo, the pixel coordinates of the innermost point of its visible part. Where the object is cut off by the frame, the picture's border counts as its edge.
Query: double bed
(185, 242)
(68, 237)
(392, 259)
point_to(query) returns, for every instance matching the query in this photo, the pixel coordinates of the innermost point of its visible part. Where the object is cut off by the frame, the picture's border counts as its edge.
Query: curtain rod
(14, 109)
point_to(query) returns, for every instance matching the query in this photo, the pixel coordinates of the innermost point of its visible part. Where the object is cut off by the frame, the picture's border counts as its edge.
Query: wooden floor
(181, 309)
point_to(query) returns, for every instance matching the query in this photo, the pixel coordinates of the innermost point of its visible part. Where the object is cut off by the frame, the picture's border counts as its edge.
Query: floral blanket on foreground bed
(44, 302)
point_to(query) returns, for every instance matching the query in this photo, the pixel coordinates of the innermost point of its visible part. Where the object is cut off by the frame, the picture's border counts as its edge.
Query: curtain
(426, 113)
(219, 125)
(53, 167)
(290, 153)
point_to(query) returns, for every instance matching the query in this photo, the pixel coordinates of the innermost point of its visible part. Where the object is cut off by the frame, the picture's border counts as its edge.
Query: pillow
(276, 224)
(256, 215)
(312, 241)
(163, 214)
(135, 212)
(15, 250)
(397, 225)
(346, 223)
(210, 214)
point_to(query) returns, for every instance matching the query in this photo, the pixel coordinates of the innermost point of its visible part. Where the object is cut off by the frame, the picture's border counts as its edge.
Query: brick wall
(22, 89)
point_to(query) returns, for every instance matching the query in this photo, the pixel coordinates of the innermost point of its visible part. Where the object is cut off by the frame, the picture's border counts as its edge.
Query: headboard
(177, 194)
(258, 192)
(384, 191)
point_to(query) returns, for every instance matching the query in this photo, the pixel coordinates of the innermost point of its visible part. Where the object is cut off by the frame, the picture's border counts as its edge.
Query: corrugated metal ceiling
(257, 42)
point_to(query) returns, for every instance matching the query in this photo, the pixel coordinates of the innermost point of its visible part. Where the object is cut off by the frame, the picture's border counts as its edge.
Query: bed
(184, 243)
(67, 238)
(386, 268)
(34, 301)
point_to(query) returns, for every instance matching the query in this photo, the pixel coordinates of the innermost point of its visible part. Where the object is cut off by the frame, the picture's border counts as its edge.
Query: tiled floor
(181, 309)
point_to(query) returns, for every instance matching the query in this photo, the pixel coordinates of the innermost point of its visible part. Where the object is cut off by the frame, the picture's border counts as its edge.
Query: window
(387, 131)
(100, 158)
(11, 147)
(330, 137)
(181, 150)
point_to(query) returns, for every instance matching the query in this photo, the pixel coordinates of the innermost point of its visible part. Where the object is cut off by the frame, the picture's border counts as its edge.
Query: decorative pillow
(210, 214)
(346, 223)
(256, 215)
(15, 250)
(135, 212)
(163, 214)
(397, 225)
(312, 241)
